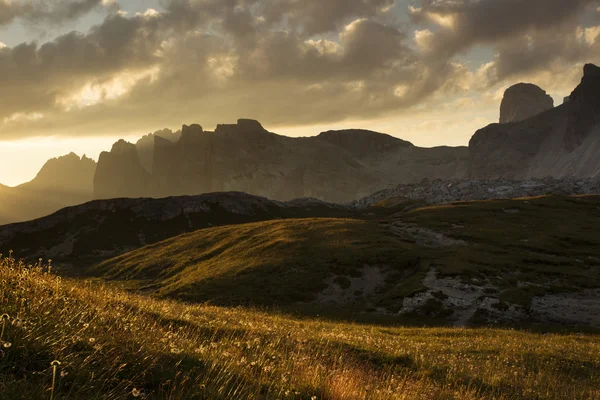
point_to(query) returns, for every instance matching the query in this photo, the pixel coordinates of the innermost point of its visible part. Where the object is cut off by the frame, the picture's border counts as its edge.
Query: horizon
(81, 75)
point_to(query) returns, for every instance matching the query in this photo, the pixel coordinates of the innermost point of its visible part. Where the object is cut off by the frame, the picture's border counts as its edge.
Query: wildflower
(136, 393)
(92, 340)
(6, 345)
(63, 373)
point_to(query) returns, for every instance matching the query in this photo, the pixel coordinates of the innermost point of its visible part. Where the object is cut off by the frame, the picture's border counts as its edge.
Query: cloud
(287, 62)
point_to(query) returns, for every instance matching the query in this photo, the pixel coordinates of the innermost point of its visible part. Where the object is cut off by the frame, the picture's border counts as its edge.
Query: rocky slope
(449, 191)
(334, 166)
(105, 228)
(61, 182)
(561, 142)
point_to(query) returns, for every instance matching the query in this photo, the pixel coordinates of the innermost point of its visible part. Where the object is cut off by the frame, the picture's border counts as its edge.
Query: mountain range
(533, 140)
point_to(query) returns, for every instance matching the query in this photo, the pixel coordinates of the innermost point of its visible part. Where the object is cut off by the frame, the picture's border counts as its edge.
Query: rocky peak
(69, 172)
(587, 91)
(249, 125)
(242, 126)
(123, 147)
(145, 146)
(584, 107)
(522, 101)
(190, 132)
(591, 71)
(120, 173)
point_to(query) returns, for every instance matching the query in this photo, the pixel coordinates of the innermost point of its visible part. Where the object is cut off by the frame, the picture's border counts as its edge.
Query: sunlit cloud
(93, 93)
(20, 117)
(149, 13)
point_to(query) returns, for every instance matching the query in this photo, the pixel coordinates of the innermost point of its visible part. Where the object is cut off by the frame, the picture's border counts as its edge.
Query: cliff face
(523, 101)
(560, 142)
(145, 146)
(120, 173)
(584, 108)
(336, 166)
(62, 182)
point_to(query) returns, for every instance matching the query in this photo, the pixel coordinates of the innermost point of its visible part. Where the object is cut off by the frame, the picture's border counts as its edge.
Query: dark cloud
(527, 35)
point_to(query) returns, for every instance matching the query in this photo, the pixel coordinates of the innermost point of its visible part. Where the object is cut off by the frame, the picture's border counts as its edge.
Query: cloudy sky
(75, 75)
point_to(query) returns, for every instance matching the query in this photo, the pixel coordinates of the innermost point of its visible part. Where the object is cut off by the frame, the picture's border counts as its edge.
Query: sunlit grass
(115, 345)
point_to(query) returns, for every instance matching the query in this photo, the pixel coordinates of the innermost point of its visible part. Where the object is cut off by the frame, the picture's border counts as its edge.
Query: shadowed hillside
(464, 263)
(104, 228)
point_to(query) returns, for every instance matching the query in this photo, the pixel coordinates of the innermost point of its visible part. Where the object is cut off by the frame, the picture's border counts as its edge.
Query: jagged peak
(591, 71)
(71, 157)
(123, 146)
(193, 129)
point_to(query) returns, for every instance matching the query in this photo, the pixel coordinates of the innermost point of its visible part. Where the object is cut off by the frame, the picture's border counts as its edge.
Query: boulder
(522, 101)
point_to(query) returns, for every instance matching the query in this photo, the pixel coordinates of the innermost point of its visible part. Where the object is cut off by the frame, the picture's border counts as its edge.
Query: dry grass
(114, 345)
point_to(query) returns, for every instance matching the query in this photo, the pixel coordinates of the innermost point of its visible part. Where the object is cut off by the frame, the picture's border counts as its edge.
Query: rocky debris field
(448, 191)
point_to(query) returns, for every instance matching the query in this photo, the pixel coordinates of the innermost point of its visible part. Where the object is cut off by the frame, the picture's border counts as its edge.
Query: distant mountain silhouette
(336, 166)
(560, 142)
(61, 182)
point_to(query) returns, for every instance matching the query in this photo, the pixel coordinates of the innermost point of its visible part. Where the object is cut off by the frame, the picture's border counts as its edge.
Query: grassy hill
(500, 255)
(71, 339)
(84, 234)
(265, 263)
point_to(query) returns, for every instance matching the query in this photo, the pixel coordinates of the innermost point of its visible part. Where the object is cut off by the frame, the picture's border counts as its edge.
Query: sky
(76, 75)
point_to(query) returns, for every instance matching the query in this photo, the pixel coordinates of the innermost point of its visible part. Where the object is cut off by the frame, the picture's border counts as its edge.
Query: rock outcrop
(448, 191)
(61, 182)
(522, 101)
(560, 142)
(120, 173)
